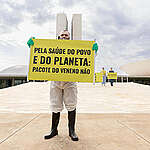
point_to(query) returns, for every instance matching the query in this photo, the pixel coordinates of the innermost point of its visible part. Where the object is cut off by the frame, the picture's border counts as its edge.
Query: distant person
(103, 72)
(111, 80)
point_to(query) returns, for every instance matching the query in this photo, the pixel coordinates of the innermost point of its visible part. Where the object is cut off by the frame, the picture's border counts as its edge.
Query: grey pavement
(33, 97)
(108, 118)
(95, 131)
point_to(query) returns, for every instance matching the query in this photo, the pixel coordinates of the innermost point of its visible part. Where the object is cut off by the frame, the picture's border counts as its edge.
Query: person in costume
(63, 93)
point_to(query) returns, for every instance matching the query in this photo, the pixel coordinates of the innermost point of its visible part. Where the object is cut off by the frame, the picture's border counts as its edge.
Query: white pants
(63, 93)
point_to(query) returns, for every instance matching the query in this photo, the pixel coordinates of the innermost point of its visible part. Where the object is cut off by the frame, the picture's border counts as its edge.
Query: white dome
(139, 68)
(19, 70)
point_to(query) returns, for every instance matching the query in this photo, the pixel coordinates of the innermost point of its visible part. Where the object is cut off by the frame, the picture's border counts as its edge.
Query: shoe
(55, 122)
(52, 134)
(71, 125)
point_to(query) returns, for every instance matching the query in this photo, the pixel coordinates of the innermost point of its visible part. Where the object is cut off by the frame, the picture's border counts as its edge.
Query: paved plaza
(109, 118)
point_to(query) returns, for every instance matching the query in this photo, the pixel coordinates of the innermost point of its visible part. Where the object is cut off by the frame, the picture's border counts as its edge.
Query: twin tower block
(76, 25)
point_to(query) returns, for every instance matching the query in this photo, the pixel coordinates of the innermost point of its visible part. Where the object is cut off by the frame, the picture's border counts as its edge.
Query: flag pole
(94, 65)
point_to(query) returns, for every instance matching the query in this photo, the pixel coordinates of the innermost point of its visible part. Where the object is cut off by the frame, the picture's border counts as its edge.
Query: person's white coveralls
(63, 93)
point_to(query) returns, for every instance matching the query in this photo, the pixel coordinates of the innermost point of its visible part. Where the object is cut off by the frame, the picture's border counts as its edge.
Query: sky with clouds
(121, 27)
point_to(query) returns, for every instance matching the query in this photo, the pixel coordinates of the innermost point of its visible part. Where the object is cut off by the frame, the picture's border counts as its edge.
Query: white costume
(63, 93)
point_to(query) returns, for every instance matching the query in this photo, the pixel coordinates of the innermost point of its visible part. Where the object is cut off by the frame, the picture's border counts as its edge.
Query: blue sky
(121, 27)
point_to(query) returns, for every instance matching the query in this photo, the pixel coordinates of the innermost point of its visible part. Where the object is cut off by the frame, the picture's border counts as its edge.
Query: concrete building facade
(76, 27)
(61, 23)
(13, 76)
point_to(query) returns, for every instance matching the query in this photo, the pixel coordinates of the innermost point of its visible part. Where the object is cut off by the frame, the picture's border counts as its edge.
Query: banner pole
(94, 70)
(94, 65)
(28, 65)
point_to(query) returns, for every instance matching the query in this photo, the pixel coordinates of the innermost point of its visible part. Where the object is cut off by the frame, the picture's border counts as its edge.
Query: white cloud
(120, 27)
